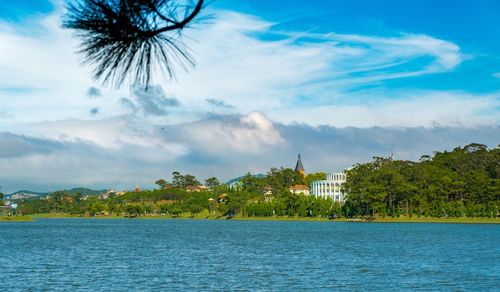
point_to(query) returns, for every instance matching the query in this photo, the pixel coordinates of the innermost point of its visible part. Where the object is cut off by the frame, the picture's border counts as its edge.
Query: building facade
(331, 187)
(299, 190)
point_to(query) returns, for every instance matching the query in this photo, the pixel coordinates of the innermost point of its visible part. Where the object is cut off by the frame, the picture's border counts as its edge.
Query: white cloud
(257, 74)
(420, 108)
(252, 133)
(110, 133)
(249, 133)
(306, 71)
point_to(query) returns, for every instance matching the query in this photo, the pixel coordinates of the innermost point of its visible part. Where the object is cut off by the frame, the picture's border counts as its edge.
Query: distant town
(456, 184)
(320, 185)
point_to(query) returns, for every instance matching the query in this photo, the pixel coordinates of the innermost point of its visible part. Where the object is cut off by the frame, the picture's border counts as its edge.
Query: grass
(16, 218)
(469, 220)
(205, 215)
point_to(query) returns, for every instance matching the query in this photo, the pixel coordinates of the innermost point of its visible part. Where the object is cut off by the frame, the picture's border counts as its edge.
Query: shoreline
(460, 220)
(7, 219)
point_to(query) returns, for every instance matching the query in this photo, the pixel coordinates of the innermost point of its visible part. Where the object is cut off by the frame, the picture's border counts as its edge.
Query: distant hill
(85, 191)
(25, 194)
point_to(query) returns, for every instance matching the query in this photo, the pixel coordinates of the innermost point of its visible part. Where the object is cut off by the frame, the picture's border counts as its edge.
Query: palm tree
(126, 40)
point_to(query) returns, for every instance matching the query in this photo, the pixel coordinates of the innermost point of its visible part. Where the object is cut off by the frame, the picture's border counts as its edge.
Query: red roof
(299, 188)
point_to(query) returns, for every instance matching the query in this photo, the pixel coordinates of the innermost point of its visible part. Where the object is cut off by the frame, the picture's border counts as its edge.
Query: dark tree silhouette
(126, 40)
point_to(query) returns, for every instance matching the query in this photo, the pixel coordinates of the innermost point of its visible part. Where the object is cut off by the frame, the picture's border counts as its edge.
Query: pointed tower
(299, 167)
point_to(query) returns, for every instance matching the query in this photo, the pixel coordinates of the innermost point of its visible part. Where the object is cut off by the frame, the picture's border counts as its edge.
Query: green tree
(161, 183)
(182, 181)
(283, 178)
(212, 182)
(314, 176)
(462, 182)
(190, 180)
(252, 184)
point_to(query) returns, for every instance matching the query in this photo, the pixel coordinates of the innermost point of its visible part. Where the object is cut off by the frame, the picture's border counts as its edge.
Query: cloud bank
(125, 151)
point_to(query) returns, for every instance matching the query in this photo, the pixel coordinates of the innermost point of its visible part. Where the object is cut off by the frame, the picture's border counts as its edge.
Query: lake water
(79, 254)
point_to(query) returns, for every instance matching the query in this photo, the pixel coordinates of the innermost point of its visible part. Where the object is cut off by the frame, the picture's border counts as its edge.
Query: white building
(331, 187)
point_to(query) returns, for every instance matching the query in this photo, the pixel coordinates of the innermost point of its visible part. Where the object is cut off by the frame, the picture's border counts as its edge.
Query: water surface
(74, 254)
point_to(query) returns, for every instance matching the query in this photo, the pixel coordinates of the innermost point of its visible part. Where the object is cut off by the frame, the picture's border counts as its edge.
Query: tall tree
(161, 183)
(182, 181)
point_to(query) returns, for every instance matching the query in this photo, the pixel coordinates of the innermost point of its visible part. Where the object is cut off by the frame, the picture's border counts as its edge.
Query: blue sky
(472, 25)
(350, 79)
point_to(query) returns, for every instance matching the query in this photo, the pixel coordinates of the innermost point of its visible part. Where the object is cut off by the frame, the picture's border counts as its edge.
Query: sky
(337, 81)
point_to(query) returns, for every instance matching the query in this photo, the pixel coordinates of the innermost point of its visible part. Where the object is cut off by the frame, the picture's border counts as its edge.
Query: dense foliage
(463, 182)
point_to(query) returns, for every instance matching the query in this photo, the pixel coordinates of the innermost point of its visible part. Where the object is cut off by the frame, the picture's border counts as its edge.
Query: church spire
(299, 167)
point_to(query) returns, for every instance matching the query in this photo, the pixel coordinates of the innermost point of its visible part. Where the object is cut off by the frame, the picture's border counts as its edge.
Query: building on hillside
(299, 189)
(109, 194)
(197, 189)
(235, 185)
(222, 198)
(299, 167)
(6, 210)
(331, 187)
(268, 190)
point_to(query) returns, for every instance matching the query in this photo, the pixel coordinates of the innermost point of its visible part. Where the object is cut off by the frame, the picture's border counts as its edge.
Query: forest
(463, 182)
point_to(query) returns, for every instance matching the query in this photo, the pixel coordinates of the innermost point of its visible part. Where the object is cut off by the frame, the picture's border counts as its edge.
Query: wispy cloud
(152, 101)
(218, 103)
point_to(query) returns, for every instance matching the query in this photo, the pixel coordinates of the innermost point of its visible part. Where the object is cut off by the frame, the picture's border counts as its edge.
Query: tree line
(463, 182)
(172, 198)
(457, 183)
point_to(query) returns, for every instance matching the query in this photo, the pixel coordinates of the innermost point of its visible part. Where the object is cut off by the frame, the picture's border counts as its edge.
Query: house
(268, 193)
(268, 190)
(299, 189)
(6, 210)
(222, 198)
(191, 189)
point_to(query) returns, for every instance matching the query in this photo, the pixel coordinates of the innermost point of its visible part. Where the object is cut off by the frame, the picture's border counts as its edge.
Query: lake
(88, 254)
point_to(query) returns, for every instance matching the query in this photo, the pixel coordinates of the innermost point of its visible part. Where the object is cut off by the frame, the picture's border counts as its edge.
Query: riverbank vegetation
(463, 183)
